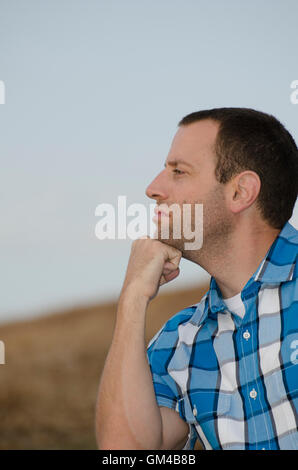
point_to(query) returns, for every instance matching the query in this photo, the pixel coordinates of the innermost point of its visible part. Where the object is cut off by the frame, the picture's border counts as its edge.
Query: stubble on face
(218, 225)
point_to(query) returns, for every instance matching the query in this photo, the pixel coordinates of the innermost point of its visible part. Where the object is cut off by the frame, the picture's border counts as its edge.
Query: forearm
(128, 416)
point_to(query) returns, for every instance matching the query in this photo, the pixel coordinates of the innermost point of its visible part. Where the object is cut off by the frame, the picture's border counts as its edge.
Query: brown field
(49, 382)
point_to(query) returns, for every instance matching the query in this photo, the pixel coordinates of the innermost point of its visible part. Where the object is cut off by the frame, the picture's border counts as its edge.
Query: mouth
(159, 213)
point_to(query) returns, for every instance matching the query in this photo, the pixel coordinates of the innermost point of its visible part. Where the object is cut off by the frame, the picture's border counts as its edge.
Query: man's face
(189, 178)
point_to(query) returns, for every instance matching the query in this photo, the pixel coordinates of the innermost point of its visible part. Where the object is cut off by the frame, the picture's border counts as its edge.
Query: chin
(175, 243)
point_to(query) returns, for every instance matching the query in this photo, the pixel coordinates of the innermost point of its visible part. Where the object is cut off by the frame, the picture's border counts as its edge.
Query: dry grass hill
(49, 383)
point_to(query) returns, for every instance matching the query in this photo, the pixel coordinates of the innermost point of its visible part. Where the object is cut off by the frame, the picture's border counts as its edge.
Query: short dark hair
(253, 140)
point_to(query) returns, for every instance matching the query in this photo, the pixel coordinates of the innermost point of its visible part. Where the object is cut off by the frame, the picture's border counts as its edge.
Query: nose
(157, 188)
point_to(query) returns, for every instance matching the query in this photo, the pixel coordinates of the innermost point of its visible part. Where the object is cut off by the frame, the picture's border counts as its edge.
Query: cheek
(190, 193)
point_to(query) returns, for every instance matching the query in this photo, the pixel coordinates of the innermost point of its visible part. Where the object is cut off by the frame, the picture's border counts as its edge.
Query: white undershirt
(235, 305)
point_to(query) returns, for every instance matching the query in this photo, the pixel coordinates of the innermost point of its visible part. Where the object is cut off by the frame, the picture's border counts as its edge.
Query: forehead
(195, 142)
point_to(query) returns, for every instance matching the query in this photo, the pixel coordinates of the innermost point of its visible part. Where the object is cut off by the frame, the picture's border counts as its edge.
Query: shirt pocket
(204, 405)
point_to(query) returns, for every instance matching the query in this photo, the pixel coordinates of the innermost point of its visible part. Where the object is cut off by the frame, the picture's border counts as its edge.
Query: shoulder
(168, 334)
(289, 236)
(289, 241)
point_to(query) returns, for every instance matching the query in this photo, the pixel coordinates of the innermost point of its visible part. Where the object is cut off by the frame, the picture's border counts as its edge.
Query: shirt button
(246, 335)
(195, 411)
(253, 394)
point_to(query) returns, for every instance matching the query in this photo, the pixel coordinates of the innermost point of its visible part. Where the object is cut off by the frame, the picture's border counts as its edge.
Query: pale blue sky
(94, 92)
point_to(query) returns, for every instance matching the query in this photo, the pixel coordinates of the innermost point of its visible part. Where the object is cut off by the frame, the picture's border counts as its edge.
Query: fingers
(167, 277)
(172, 264)
(174, 256)
(171, 257)
(169, 266)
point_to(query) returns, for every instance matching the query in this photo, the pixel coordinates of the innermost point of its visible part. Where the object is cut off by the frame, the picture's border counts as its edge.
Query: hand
(151, 264)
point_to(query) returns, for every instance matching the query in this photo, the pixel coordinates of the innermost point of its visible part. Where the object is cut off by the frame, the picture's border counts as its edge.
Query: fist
(151, 264)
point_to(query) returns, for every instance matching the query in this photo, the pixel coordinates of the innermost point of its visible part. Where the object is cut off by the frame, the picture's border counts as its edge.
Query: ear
(244, 190)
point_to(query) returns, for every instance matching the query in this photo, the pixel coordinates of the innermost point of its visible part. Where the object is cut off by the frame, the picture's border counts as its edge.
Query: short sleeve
(165, 389)
(192, 438)
(160, 351)
(166, 392)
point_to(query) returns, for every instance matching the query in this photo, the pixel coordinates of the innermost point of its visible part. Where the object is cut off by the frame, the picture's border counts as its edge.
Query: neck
(234, 261)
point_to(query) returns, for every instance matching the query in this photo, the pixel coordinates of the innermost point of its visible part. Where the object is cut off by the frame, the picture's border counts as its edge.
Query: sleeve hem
(164, 401)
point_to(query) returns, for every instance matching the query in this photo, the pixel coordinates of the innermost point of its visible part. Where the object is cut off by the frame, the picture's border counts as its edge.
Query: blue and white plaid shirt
(235, 380)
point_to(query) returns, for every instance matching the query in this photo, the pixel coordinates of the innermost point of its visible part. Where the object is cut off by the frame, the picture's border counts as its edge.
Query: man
(224, 371)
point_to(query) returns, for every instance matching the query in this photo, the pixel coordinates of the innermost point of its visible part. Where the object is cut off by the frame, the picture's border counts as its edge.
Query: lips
(161, 212)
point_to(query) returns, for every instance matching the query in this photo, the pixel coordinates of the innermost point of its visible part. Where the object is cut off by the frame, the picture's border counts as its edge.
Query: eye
(178, 172)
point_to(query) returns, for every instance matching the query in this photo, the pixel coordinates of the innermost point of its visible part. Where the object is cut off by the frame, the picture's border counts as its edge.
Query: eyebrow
(176, 162)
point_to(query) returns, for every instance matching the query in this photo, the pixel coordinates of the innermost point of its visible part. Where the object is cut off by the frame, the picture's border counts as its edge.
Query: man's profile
(222, 372)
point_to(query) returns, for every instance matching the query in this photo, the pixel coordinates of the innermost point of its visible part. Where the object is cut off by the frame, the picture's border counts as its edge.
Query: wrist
(133, 292)
(131, 309)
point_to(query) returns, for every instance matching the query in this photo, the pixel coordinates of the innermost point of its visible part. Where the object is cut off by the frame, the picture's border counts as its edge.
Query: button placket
(253, 392)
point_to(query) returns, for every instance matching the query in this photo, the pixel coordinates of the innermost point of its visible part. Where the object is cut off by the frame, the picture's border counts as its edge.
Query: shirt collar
(278, 265)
